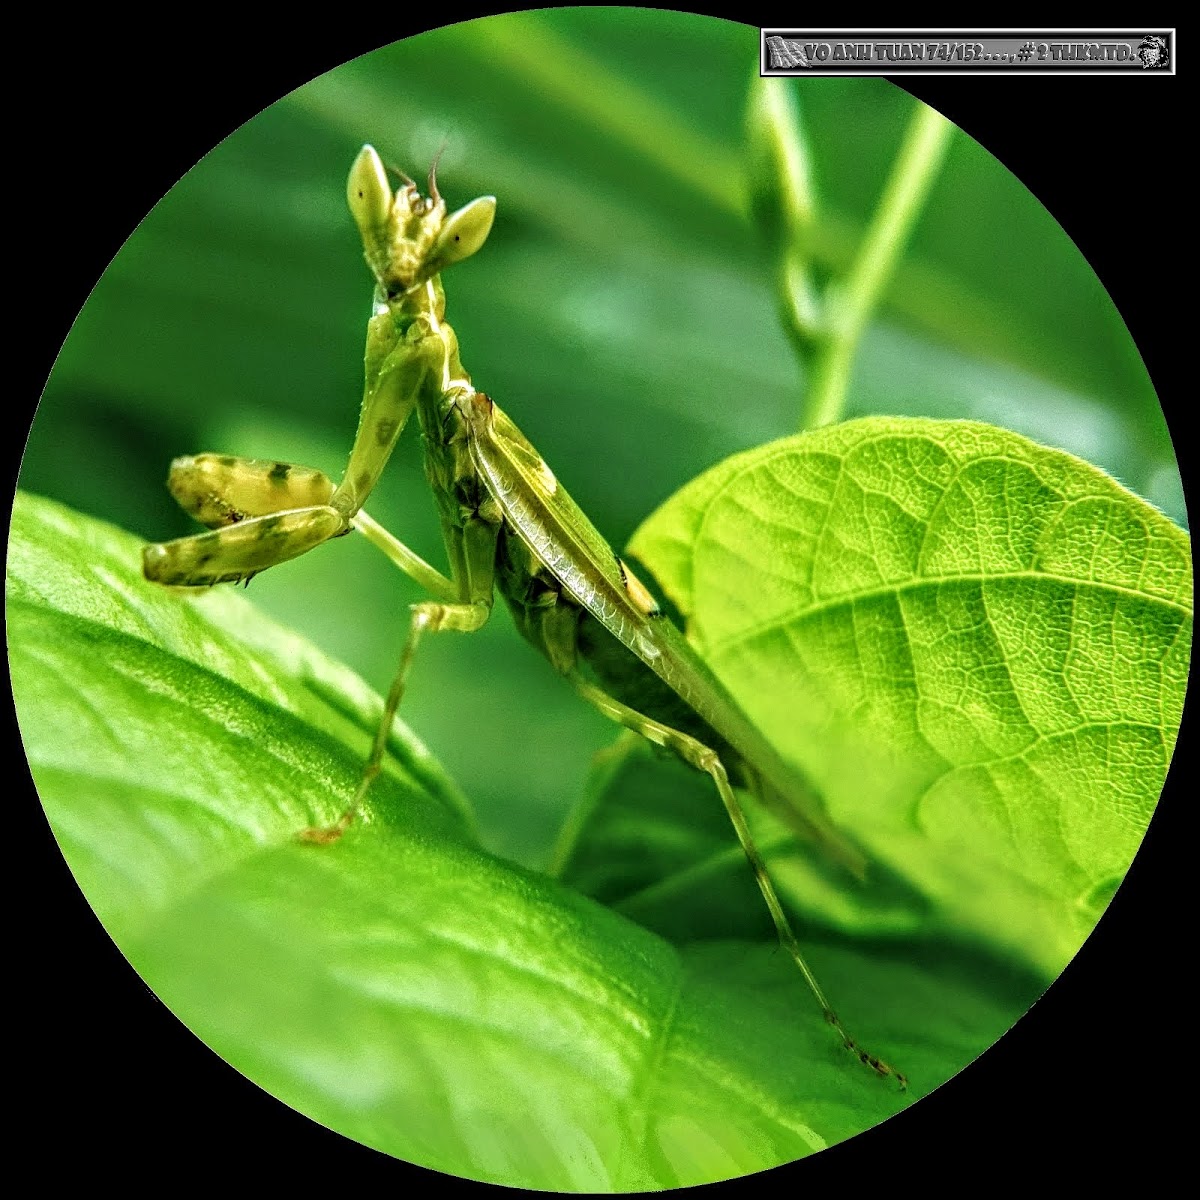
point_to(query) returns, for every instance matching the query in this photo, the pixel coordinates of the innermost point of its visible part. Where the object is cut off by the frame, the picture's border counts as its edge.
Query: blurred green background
(621, 312)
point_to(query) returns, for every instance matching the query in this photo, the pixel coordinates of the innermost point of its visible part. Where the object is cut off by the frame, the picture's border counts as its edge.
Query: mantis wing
(559, 533)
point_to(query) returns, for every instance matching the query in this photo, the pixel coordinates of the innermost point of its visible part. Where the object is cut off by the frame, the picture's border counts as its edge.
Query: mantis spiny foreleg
(265, 513)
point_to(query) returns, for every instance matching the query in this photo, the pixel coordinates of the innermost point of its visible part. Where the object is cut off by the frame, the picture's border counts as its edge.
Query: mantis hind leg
(705, 759)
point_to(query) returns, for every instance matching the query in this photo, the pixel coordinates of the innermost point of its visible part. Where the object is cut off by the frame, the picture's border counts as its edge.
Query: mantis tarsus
(506, 523)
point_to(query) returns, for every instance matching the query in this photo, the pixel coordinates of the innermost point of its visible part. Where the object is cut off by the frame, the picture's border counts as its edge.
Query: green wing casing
(559, 534)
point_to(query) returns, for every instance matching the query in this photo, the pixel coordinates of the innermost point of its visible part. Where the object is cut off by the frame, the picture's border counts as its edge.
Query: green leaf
(191, 704)
(976, 645)
(403, 986)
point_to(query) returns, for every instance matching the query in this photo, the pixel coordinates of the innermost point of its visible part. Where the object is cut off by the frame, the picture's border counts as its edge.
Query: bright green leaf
(977, 645)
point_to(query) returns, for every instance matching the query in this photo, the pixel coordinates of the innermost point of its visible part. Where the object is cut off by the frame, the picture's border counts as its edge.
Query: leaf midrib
(835, 604)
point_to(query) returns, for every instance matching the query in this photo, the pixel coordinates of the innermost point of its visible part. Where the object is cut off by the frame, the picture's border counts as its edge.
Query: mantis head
(407, 237)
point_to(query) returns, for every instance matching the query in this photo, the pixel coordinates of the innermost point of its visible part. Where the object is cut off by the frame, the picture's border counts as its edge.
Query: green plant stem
(849, 302)
(788, 195)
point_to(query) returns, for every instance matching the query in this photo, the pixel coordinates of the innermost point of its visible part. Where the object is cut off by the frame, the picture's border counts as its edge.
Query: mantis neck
(427, 306)
(446, 377)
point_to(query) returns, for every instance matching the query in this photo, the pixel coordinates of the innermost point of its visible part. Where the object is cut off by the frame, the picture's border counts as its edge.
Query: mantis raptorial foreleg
(398, 367)
(241, 545)
(705, 759)
(241, 549)
(264, 513)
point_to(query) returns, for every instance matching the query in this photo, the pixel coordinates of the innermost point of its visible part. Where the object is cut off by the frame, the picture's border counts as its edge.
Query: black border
(111, 1088)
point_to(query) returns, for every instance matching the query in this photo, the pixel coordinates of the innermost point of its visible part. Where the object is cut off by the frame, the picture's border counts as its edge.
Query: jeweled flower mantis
(507, 524)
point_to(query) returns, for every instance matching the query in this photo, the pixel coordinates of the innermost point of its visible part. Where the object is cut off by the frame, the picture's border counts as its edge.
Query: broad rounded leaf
(977, 646)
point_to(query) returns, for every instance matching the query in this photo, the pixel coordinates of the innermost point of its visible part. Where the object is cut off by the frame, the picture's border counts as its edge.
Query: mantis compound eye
(463, 232)
(368, 192)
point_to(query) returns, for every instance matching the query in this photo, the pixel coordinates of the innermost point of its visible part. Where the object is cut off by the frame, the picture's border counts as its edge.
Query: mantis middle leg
(473, 545)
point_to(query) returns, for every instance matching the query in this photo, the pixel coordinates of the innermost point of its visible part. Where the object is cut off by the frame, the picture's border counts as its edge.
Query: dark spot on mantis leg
(385, 429)
(278, 473)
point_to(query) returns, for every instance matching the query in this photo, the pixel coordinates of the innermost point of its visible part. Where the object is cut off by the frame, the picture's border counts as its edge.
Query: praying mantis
(508, 526)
